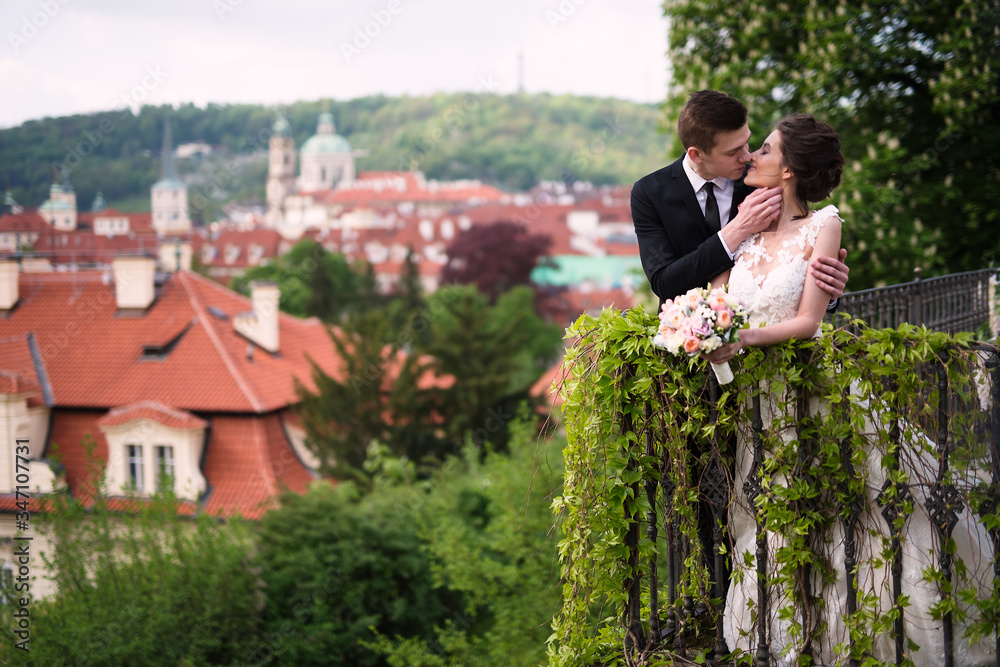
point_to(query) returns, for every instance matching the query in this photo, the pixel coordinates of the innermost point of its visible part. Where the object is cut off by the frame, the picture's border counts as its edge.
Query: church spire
(325, 125)
(167, 170)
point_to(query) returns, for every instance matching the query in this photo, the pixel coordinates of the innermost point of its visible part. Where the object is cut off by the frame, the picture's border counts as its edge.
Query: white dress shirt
(724, 189)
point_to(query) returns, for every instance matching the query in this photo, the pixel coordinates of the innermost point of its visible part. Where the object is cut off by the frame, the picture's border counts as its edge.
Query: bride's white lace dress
(768, 277)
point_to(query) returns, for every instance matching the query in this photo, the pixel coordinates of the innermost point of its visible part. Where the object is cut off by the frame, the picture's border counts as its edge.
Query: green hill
(511, 141)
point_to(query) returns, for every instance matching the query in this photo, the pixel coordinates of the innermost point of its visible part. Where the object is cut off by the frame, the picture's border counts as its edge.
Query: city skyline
(62, 58)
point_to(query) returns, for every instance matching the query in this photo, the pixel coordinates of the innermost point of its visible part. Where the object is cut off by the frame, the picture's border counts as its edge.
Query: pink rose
(725, 319)
(673, 318)
(692, 345)
(717, 303)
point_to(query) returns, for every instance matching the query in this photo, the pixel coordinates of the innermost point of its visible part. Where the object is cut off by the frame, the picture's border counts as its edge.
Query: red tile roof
(248, 462)
(83, 246)
(267, 244)
(180, 363)
(70, 428)
(154, 411)
(387, 187)
(548, 386)
(594, 301)
(95, 359)
(18, 367)
(15, 383)
(23, 222)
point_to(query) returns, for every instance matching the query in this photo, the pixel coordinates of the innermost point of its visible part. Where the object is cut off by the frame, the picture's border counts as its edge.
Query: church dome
(168, 184)
(326, 140)
(326, 143)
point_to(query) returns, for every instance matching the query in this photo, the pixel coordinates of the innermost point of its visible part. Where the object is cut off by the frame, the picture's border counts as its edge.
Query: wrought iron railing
(667, 623)
(951, 303)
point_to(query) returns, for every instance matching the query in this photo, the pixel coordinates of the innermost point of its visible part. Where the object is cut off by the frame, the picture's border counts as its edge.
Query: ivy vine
(850, 426)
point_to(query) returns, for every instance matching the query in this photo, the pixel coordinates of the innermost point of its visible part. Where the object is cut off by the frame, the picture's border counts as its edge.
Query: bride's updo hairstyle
(811, 150)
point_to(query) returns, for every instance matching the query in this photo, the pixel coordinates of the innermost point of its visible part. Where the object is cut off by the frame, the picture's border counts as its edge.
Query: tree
(141, 584)
(409, 290)
(332, 286)
(511, 141)
(376, 396)
(494, 257)
(485, 525)
(494, 353)
(313, 281)
(341, 565)
(912, 88)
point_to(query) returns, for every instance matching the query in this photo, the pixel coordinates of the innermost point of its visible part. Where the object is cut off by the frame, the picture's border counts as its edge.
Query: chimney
(8, 283)
(134, 277)
(261, 325)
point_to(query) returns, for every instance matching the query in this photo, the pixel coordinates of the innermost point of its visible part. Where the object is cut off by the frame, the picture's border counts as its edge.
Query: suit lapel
(682, 186)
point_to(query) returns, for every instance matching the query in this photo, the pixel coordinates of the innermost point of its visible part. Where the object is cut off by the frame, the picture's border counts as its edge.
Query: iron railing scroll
(670, 613)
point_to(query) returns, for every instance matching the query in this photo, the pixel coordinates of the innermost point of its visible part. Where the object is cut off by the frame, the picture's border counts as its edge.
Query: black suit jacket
(677, 249)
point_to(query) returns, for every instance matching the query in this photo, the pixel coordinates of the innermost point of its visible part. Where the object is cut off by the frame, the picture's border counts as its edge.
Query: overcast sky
(60, 57)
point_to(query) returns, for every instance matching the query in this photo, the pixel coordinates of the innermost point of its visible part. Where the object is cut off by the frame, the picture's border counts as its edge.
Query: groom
(692, 215)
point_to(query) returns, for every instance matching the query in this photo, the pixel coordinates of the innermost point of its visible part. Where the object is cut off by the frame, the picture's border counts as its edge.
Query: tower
(327, 159)
(280, 169)
(169, 194)
(59, 210)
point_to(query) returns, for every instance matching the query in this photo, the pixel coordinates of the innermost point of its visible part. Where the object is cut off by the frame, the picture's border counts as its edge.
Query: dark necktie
(712, 208)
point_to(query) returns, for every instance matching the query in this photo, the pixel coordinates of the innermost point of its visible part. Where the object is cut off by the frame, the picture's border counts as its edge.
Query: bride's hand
(755, 214)
(723, 353)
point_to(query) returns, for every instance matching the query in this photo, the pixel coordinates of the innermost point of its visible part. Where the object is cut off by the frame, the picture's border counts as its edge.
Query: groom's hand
(756, 212)
(831, 274)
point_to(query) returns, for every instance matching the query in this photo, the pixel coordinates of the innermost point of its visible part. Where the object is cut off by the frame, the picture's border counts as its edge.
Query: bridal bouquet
(700, 321)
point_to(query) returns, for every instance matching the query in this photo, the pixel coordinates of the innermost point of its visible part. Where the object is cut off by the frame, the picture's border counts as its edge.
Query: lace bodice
(770, 286)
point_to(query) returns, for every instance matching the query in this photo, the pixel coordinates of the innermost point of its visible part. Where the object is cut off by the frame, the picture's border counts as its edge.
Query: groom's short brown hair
(706, 113)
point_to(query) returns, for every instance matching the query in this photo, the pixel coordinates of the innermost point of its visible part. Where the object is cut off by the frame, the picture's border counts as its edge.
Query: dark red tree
(495, 257)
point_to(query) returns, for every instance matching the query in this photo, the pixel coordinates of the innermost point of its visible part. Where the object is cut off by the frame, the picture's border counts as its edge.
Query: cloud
(272, 51)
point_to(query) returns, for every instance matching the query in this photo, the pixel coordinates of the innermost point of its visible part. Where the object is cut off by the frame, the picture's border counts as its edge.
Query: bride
(803, 157)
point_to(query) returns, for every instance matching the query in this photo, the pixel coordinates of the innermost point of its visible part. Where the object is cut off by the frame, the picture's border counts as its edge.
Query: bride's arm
(721, 280)
(811, 307)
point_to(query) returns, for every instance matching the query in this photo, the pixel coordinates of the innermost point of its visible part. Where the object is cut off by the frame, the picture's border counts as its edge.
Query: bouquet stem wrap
(723, 373)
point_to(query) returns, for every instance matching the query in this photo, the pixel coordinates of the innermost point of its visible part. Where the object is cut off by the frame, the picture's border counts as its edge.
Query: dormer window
(160, 448)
